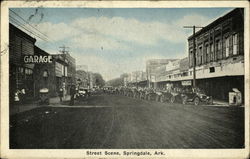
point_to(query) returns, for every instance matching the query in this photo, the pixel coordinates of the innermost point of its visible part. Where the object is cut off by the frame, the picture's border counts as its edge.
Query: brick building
(220, 55)
(219, 58)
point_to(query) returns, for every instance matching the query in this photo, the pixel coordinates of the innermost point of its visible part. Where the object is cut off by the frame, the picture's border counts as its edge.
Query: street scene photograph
(126, 78)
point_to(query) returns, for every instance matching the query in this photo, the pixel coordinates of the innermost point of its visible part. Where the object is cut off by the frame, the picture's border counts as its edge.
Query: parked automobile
(150, 94)
(195, 96)
(82, 93)
(164, 96)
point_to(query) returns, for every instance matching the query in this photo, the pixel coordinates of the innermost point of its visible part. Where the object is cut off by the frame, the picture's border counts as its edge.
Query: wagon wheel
(162, 99)
(149, 97)
(196, 101)
(172, 99)
(210, 101)
(157, 98)
(184, 100)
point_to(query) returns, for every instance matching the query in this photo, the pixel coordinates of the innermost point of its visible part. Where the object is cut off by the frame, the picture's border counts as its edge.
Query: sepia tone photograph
(126, 78)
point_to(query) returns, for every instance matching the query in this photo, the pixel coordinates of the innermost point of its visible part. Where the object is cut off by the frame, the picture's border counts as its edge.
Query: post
(194, 53)
(64, 59)
(194, 58)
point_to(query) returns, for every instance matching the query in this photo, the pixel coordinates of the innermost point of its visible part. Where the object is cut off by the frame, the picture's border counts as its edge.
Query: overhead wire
(28, 23)
(22, 26)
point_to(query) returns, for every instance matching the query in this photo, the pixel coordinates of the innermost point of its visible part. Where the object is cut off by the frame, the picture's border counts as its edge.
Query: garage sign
(35, 59)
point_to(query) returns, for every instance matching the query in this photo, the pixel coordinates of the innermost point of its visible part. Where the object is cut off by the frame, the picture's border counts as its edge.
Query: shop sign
(186, 83)
(37, 59)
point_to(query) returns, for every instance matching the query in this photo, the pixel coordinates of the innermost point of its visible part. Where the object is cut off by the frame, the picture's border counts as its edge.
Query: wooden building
(21, 75)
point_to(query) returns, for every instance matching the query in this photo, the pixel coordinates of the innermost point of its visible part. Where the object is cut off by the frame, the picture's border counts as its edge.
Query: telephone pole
(194, 53)
(64, 51)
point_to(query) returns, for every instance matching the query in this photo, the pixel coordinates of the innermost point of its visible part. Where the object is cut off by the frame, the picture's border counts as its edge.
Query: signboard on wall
(35, 59)
(58, 69)
(186, 83)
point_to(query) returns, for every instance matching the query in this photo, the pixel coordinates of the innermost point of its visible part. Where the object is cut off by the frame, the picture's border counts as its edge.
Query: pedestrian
(72, 94)
(61, 94)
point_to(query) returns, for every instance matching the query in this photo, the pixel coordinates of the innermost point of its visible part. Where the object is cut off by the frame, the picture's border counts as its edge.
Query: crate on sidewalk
(235, 97)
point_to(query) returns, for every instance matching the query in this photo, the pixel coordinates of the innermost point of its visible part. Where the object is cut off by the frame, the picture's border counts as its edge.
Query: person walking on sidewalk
(61, 94)
(72, 94)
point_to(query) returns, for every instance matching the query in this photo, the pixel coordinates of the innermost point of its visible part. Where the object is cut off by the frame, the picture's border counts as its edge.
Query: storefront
(21, 75)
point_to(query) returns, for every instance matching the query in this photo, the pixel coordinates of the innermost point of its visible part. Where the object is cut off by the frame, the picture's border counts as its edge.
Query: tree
(98, 80)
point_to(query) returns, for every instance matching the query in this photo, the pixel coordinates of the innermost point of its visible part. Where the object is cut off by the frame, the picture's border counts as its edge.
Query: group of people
(72, 94)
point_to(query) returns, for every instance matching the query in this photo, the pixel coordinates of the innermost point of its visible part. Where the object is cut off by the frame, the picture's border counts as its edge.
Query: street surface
(119, 122)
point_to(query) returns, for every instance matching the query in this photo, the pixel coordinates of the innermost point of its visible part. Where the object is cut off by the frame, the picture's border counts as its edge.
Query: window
(66, 71)
(191, 58)
(211, 69)
(45, 74)
(218, 45)
(62, 70)
(28, 71)
(227, 46)
(218, 49)
(200, 55)
(235, 44)
(207, 53)
(211, 52)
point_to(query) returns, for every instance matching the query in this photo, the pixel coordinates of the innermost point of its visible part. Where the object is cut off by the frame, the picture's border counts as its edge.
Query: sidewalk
(220, 103)
(223, 103)
(25, 107)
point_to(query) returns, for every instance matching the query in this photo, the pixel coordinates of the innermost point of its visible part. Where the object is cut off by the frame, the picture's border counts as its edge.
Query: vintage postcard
(108, 79)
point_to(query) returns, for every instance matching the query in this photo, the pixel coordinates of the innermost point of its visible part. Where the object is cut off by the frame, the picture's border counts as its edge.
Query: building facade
(60, 66)
(21, 75)
(154, 68)
(219, 55)
(219, 58)
(44, 75)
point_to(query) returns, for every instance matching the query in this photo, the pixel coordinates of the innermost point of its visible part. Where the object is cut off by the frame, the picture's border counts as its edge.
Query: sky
(113, 41)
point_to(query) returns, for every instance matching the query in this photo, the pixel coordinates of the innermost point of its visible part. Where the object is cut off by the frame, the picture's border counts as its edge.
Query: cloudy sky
(115, 41)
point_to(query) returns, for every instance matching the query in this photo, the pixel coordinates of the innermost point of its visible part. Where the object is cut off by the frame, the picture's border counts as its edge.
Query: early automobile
(195, 96)
(82, 93)
(164, 96)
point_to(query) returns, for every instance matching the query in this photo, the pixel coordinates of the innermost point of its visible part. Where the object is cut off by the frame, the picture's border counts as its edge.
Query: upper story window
(207, 52)
(218, 49)
(211, 52)
(218, 45)
(227, 46)
(235, 44)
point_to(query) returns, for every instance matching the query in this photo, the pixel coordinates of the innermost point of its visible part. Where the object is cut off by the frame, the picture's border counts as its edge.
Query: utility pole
(64, 51)
(194, 53)
(148, 74)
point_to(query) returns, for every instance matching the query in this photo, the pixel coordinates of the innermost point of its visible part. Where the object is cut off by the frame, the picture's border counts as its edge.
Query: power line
(29, 23)
(21, 25)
